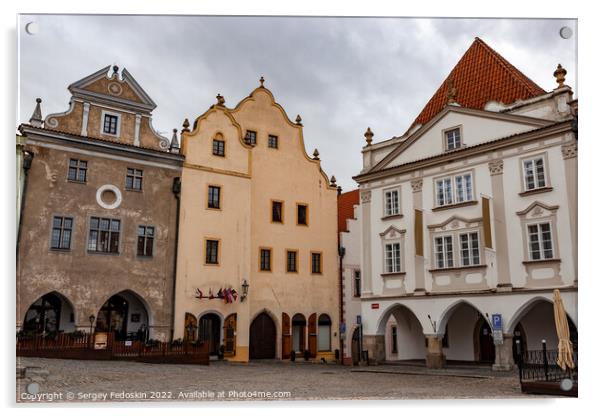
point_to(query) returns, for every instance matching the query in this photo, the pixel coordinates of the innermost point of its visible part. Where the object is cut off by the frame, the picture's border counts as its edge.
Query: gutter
(176, 189)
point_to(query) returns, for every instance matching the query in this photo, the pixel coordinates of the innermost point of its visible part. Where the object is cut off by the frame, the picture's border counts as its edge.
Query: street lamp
(245, 290)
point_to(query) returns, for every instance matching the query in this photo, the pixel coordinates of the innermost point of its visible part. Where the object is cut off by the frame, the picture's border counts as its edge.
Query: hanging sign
(228, 295)
(497, 326)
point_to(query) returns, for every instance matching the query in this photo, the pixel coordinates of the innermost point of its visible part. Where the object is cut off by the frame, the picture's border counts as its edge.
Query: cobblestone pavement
(72, 380)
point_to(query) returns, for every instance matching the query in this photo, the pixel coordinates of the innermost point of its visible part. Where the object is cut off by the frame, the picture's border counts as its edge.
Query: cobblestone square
(100, 381)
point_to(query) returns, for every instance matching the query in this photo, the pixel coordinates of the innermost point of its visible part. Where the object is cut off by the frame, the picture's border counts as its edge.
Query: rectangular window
(213, 198)
(540, 241)
(301, 214)
(273, 142)
(61, 233)
(469, 249)
(393, 258)
(251, 137)
(211, 251)
(291, 261)
(454, 190)
(392, 202)
(394, 339)
(316, 263)
(535, 176)
(276, 211)
(265, 259)
(453, 139)
(357, 283)
(444, 252)
(133, 179)
(110, 124)
(219, 147)
(104, 235)
(78, 170)
(146, 238)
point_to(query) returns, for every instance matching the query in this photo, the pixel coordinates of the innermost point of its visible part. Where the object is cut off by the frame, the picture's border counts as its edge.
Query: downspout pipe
(27, 161)
(177, 190)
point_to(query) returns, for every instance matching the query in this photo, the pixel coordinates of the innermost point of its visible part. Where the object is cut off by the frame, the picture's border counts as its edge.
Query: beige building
(257, 256)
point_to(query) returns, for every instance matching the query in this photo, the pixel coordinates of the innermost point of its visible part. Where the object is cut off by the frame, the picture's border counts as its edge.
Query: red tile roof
(481, 75)
(345, 205)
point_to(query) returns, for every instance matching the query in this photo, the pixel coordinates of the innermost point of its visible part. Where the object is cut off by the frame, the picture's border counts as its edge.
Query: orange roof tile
(345, 203)
(481, 75)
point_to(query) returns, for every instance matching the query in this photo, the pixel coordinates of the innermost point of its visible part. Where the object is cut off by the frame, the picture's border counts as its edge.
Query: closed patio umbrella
(565, 346)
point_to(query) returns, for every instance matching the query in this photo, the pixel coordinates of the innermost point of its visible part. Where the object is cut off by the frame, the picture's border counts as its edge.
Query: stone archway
(49, 314)
(403, 335)
(210, 331)
(467, 332)
(125, 315)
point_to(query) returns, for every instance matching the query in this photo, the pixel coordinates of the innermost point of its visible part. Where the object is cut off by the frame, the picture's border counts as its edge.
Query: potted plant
(293, 355)
(220, 352)
(306, 355)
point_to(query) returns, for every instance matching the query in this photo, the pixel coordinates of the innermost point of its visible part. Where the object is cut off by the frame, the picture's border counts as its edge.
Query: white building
(470, 214)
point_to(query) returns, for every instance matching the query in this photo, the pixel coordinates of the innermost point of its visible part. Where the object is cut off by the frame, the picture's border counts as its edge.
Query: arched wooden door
(355, 346)
(230, 335)
(262, 342)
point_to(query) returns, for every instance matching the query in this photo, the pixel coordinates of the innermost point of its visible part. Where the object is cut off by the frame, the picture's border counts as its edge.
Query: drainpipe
(341, 299)
(176, 189)
(27, 161)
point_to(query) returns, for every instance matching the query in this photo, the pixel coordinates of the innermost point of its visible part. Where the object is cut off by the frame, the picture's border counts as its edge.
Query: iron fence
(541, 365)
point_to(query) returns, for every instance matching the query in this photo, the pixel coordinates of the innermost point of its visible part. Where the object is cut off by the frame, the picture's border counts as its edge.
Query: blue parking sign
(496, 321)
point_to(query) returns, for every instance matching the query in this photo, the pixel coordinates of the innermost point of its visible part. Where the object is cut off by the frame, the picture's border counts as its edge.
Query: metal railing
(541, 365)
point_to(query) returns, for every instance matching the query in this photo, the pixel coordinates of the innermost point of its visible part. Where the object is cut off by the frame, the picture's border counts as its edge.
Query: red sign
(375, 306)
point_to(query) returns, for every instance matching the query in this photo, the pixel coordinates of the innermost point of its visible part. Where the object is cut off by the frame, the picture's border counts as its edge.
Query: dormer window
(110, 123)
(453, 139)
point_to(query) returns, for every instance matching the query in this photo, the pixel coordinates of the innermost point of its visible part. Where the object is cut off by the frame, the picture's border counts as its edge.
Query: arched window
(324, 325)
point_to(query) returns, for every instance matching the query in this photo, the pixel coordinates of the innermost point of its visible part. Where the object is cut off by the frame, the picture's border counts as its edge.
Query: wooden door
(262, 341)
(486, 346)
(230, 335)
(355, 347)
(286, 336)
(312, 332)
(190, 327)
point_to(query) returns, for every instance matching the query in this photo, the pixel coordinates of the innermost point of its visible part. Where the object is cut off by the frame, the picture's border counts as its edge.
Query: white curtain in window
(323, 337)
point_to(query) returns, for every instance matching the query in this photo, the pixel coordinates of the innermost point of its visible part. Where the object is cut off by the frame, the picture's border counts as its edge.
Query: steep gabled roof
(481, 75)
(345, 203)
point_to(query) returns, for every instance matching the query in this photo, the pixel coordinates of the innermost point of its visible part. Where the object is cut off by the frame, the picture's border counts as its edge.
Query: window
(211, 251)
(393, 258)
(213, 198)
(265, 259)
(110, 124)
(454, 190)
(277, 211)
(219, 147)
(357, 283)
(251, 138)
(104, 235)
(540, 241)
(444, 251)
(453, 139)
(61, 233)
(534, 173)
(133, 179)
(469, 249)
(291, 261)
(316, 263)
(273, 142)
(146, 236)
(301, 214)
(78, 170)
(324, 325)
(391, 202)
(394, 339)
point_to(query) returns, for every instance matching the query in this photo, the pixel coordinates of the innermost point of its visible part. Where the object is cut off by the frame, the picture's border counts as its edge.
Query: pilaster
(496, 169)
(418, 237)
(366, 197)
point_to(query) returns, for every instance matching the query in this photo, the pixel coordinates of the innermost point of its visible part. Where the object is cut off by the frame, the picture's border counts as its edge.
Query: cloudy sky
(340, 74)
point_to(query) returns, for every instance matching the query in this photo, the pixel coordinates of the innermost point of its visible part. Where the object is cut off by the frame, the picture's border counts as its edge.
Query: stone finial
(316, 154)
(368, 135)
(560, 74)
(185, 125)
(115, 70)
(333, 181)
(339, 190)
(174, 146)
(452, 92)
(220, 100)
(298, 120)
(261, 81)
(36, 118)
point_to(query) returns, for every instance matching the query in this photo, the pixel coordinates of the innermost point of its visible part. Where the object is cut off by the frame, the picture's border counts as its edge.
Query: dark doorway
(486, 346)
(262, 343)
(299, 324)
(519, 342)
(112, 317)
(44, 315)
(209, 332)
(355, 346)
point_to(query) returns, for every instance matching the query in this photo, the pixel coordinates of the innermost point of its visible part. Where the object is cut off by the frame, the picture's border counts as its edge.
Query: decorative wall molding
(366, 197)
(496, 167)
(417, 185)
(569, 150)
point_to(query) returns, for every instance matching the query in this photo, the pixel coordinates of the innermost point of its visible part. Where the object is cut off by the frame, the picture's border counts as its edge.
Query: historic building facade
(97, 237)
(469, 214)
(257, 264)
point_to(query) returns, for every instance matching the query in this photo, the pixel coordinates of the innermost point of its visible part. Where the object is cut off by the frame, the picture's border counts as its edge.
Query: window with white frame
(391, 202)
(469, 249)
(540, 241)
(110, 123)
(444, 251)
(534, 173)
(392, 258)
(453, 139)
(454, 189)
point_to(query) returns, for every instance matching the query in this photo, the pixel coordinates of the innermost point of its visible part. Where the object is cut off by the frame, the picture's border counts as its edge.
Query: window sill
(133, 190)
(102, 253)
(77, 182)
(395, 274)
(458, 205)
(211, 264)
(459, 268)
(60, 250)
(391, 217)
(213, 209)
(536, 191)
(265, 271)
(542, 261)
(215, 154)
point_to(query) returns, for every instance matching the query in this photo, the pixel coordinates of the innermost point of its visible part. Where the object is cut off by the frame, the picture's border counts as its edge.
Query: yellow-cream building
(257, 256)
